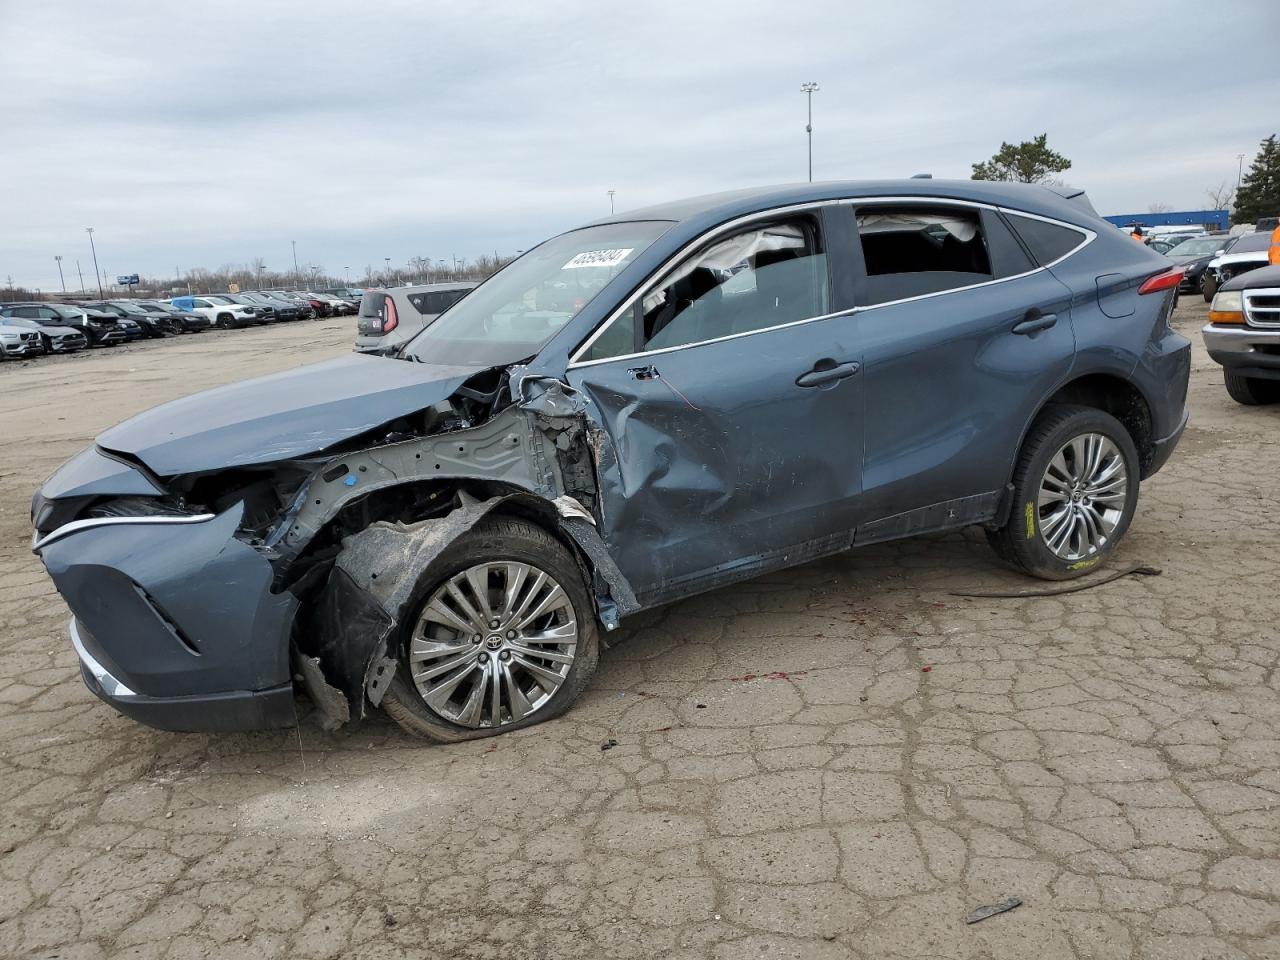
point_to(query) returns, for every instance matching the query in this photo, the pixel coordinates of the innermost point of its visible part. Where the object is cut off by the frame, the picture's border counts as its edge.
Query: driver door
(732, 402)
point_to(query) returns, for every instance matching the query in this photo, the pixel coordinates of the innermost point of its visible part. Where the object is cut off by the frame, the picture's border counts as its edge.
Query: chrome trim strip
(75, 526)
(1252, 313)
(110, 685)
(575, 362)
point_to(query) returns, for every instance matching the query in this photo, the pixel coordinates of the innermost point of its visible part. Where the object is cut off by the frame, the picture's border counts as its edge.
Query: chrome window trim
(575, 360)
(75, 526)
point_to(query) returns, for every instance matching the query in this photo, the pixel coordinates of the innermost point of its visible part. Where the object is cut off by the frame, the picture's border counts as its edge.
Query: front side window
(912, 251)
(513, 314)
(761, 277)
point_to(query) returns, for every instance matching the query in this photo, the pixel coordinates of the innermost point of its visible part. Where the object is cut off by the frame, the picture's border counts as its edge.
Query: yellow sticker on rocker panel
(1031, 520)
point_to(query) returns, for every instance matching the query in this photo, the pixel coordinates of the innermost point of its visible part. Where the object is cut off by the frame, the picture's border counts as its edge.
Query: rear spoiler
(1075, 194)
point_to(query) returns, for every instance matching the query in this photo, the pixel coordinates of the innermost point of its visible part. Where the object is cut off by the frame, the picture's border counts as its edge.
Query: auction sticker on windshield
(598, 258)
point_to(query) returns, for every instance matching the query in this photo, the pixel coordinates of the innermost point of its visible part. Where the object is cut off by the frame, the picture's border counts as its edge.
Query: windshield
(67, 313)
(220, 299)
(1251, 242)
(517, 310)
(129, 307)
(1200, 246)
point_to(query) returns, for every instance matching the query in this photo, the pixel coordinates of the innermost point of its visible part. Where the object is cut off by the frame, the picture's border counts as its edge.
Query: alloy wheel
(493, 644)
(1082, 496)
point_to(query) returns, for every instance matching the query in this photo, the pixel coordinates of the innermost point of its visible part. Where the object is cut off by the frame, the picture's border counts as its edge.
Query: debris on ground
(991, 909)
(1138, 570)
(609, 745)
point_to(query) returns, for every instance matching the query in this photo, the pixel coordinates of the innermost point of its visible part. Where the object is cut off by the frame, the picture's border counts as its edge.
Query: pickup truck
(1243, 334)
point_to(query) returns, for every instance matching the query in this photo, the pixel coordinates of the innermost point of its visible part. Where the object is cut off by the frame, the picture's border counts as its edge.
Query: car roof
(1065, 203)
(427, 287)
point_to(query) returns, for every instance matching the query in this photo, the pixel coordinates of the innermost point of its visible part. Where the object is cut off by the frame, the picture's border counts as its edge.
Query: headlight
(1227, 307)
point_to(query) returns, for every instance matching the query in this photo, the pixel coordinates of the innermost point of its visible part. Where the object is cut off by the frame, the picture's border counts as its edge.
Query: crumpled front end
(173, 618)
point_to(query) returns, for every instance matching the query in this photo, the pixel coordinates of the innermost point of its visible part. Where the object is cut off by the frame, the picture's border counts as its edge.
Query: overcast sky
(201, 134)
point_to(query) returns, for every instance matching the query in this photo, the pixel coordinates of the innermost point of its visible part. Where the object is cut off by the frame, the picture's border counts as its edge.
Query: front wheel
(1208, 286)
(1251, 391)
(1075, 490)
(501, 635)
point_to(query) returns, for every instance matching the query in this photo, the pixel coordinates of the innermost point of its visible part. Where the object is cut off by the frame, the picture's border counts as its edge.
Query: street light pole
(809, 89)
(58, 257)
(101, 295)
(348, 270)
(81, 273)
(1239, 170)
(388, 259)
(297, 277)
(611, 193)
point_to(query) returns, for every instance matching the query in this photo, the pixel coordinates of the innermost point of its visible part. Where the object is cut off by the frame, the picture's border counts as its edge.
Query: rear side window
(912, 251)
(1046, 241)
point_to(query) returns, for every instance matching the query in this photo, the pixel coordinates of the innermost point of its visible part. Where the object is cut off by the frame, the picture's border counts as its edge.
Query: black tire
(1020, 542)
(1251, 391)
(223, 321)
(1208, 286)
(495, 538)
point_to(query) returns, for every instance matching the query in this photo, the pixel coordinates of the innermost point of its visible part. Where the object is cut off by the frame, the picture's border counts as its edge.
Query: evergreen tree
(1259, 194)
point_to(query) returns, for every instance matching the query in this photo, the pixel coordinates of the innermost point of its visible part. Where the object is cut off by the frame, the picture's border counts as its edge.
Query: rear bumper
(238, 710)
(1162, 450)
(1247, 351)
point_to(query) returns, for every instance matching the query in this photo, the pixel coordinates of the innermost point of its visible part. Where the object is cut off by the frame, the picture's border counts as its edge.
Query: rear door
(962, 337)
(731, 400)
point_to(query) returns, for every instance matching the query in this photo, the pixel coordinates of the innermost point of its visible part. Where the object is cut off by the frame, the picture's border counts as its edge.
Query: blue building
(1210, 219)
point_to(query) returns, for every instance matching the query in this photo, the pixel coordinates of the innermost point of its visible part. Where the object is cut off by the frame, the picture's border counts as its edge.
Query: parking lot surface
(840, 760)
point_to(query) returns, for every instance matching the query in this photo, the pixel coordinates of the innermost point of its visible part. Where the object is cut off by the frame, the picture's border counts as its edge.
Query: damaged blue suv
(644, 408)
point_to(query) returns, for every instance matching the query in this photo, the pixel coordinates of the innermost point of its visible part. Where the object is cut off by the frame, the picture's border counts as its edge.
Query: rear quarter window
(1046, 241)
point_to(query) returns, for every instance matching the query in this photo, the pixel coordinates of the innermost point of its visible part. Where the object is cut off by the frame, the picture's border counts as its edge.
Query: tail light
(1162, 281)
(390, 320)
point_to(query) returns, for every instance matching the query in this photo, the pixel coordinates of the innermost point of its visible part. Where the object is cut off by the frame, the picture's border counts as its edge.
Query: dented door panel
(709, 463)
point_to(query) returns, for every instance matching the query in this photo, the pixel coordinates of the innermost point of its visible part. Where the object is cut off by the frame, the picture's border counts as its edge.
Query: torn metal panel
(507, 448)
(368, 592)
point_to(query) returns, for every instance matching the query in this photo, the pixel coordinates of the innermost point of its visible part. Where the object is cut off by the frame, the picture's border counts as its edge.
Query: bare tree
(1221, 197)
(1158, 208)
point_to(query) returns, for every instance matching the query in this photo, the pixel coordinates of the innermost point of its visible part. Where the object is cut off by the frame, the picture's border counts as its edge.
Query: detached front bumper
(1244, 350)
(175, 623)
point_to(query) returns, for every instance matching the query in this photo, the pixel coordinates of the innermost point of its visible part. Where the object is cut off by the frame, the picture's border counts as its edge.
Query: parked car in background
(223, 314)
(54, 337)
(351, 295)
(1193, 255)
(299, 301)
(1249, 252)
(1243, 335)
(281, 309)
(265, 311)
(390, 318)
(1165, 244)
(99, 329)
(17, 342)
(765, 377)
(337, 306)
(150, 324)
(189, 321)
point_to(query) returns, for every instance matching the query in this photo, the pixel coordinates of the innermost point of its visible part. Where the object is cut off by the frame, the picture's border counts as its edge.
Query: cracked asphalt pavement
(840, 760)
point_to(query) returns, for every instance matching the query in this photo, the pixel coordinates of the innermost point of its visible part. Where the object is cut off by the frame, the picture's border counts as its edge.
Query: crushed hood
(284, 415)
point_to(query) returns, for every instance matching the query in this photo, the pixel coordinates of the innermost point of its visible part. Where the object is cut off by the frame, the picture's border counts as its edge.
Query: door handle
(827, 370)
(1035, 322)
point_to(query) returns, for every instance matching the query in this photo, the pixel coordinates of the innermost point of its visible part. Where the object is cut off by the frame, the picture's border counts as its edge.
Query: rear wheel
(1075, 493)
(1251, 391)
(502, 635)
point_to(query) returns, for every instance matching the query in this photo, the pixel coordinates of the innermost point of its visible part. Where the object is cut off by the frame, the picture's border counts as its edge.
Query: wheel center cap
(493, 642)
